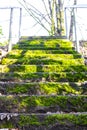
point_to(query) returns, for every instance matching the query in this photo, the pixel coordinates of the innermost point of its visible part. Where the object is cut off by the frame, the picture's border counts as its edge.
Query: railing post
(20, 19)
(10, 30)
(76, 31)
(66, 26)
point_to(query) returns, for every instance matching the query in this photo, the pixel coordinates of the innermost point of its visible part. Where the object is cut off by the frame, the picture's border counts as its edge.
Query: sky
(27, 22)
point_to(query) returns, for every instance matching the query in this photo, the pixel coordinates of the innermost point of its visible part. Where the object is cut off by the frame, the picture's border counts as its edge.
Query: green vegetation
(26, 103)
(29, 120)
(43, 76)
(53, 119)
(33, 55)
(43, 61)
(50, 77)
(64, 118)
(46, 43)
(42, 68)
(47, 120)
(43, 88)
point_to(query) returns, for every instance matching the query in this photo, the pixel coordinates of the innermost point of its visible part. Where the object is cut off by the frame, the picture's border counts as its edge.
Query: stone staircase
(43, 86)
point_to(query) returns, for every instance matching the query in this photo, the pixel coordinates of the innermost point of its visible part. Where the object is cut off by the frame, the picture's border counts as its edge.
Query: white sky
(27, 22)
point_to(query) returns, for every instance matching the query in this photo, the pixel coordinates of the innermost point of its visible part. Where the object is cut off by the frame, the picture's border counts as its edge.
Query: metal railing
(11, 22)
(74, 9)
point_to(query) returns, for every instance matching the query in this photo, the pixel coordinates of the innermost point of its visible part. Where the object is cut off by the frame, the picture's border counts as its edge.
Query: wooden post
(10, 30)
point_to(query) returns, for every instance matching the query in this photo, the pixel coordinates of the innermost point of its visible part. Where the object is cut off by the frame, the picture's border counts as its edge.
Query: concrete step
(56, 121)
(43, 88)
(42, 61)
(46, 42)
(42, 47)
(42, 104)
(42, 68)
(42, 51)
(37, 54)
(45, 76)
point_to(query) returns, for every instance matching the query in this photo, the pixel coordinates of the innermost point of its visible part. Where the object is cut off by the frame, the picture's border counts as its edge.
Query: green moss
(64, 118)
(53, 77)
(44, 61)
(26, 103)
(47, 42)
(42, 68)
(44, 88)
(7, 124)
(28, 120)
(59, 56)
(46, 120)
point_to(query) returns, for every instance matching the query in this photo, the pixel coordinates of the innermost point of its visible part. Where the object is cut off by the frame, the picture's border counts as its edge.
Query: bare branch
(33, 15)
(46, 8)
(50, 17)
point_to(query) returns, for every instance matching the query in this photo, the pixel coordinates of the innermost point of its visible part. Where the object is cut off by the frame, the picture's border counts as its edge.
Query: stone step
(42, 68)
(45, 51)
(20, 53)
(29, 38)
(29, 54)
(42, 104)
(42, 47)
(46, 88)
(45, 76)
(46, 42)
(60, 121)
(43, 86)
(42, 61)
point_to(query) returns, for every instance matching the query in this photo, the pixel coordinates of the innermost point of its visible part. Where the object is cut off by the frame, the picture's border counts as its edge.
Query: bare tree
(52, 18)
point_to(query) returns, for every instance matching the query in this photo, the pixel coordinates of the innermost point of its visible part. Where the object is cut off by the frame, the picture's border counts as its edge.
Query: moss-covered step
(59, 121)
(47, 51)
(32, 55)
(45, 77)
(46, 43)
(47, 88)
(36, 47)
(20, 53)
(42, 104)
(42, 61)
(42, 68)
